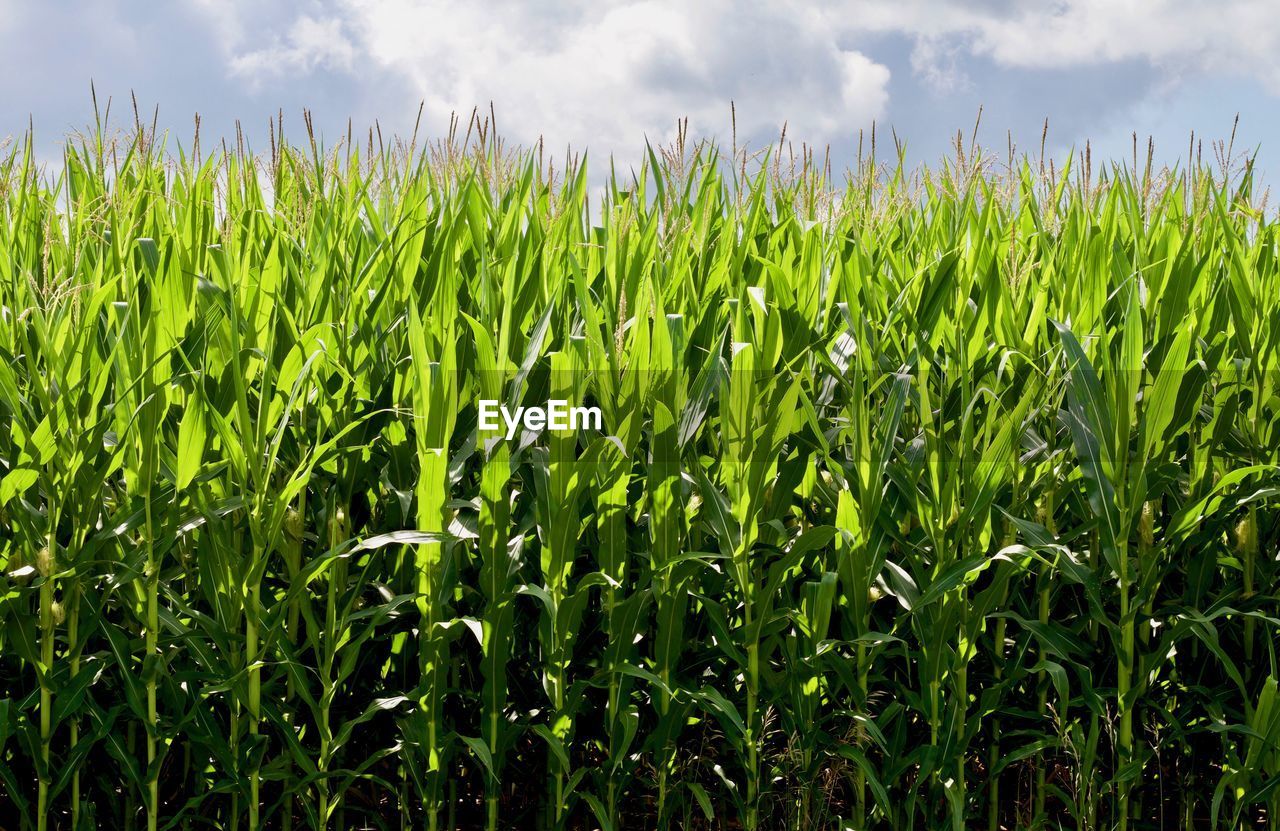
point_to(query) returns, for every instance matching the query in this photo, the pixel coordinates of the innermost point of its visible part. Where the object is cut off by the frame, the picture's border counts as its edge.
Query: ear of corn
(888, 471)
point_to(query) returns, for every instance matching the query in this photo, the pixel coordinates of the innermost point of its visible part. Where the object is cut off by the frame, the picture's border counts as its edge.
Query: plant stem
(73, 634)
(1042, 703)
(993, 799)
(255, 698)
(153, 628)
(293, 561)
(1124, 681)
(1249, 556)
(860, 777)
(753, 738)
(47, 635)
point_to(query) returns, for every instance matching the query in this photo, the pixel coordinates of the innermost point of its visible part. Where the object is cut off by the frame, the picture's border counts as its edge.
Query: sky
(605, 75)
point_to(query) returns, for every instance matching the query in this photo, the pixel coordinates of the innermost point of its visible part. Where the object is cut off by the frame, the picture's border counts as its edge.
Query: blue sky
(607, 73)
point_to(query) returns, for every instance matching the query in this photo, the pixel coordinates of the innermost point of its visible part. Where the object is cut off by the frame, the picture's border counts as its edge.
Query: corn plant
(889, 467)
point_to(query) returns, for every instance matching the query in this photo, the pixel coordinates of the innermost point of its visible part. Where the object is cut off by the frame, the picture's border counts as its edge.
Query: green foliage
(920, 501)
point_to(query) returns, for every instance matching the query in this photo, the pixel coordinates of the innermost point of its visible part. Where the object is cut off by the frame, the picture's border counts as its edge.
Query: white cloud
(223, 17)
(309, 43)
(936, 59)
(607, 74)
(1180, 36)
(1238, 37)
(602, 74)
(611, 72)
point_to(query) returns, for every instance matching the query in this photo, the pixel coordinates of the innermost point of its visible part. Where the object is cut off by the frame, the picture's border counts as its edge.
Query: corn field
(936, 499)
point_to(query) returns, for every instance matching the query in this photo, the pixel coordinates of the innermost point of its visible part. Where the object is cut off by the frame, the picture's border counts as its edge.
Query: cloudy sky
(604, 74)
